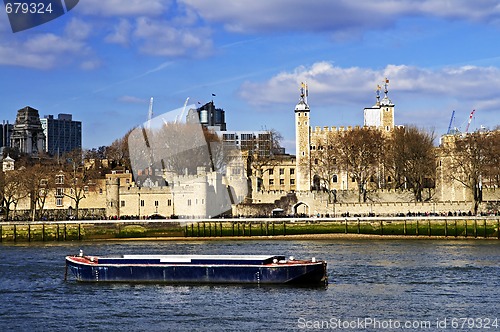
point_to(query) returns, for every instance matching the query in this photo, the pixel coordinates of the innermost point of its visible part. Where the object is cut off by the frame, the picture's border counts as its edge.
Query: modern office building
(210, 117)
(5, 131)
(62, 135)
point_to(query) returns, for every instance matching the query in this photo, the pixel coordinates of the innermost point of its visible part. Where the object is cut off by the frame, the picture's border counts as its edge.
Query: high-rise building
(210, 117)
(5, 131)
(62, 134)
(27, 134)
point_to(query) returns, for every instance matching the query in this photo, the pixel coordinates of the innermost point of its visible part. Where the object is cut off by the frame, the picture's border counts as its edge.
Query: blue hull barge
(207, 269)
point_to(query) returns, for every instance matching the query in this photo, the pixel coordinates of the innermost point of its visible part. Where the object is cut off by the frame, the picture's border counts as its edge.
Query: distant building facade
(5, 131)
(62, 134)
(27, 133)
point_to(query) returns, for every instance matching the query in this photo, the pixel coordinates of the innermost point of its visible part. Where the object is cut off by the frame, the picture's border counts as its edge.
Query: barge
(206, 269)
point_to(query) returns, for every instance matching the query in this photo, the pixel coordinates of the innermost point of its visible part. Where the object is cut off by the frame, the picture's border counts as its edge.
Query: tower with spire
(303, 141)
(380, 115)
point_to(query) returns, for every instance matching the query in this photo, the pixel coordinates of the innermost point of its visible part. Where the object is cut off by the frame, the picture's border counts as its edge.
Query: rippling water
(404, 281)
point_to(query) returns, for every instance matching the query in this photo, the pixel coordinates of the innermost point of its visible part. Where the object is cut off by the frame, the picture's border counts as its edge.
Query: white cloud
(123, 8)
(161, 38)
(329, 84)
(121, 33)
(132, 100)
(335, 16)
(48, 50)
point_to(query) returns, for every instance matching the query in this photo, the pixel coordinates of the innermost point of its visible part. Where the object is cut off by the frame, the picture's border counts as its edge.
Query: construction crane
(451, 122)
(181, 116)
(150, 112)
(470, 120)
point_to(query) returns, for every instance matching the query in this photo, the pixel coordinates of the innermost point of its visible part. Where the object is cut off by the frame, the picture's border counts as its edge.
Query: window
(100, 191)
(142, 202)
(169, 202)
(282, 171)
(335, 178)
(59, 201)
(292, 171)
(389, 179)
(86, 189)
(271, 182)
(122, 204)
(156, 203)
(282, 181)
(189, 202)
(60, 179)
(271, 171)
(59, 191)
(292, 181)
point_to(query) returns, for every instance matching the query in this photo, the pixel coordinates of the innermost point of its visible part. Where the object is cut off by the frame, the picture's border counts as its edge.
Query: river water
(374, 285)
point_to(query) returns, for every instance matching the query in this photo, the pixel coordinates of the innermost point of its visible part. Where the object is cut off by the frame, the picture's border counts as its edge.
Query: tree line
(405, 158)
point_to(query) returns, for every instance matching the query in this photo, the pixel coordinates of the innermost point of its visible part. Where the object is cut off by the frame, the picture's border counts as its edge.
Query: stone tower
(303, 141)
(112, 197)
(27, 134)
(380, 115)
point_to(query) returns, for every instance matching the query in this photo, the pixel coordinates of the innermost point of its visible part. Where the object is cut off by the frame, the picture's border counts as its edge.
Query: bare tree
(411, 159)
(12, 190)
(118, 151)
(360, 152)
(324, 165)
(75, 181)
(38, 182)
(263, 153)
(471, 161)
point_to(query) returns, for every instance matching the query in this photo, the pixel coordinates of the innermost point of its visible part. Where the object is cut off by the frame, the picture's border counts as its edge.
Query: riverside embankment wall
(258, 228)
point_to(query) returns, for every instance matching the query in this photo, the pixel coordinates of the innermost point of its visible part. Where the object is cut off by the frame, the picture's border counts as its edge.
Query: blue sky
(103, 60)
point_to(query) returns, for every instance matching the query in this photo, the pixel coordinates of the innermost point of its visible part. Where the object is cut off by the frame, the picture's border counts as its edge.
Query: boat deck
(188, 260)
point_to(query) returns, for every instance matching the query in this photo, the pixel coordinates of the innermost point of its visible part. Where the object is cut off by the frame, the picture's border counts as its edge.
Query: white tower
(303, 141)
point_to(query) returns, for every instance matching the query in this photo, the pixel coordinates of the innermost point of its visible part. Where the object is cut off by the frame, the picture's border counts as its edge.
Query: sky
(103, 61)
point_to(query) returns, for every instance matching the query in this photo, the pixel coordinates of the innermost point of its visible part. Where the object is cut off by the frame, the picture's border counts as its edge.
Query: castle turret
(303, 141)
(380, 115)
(112, 197)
